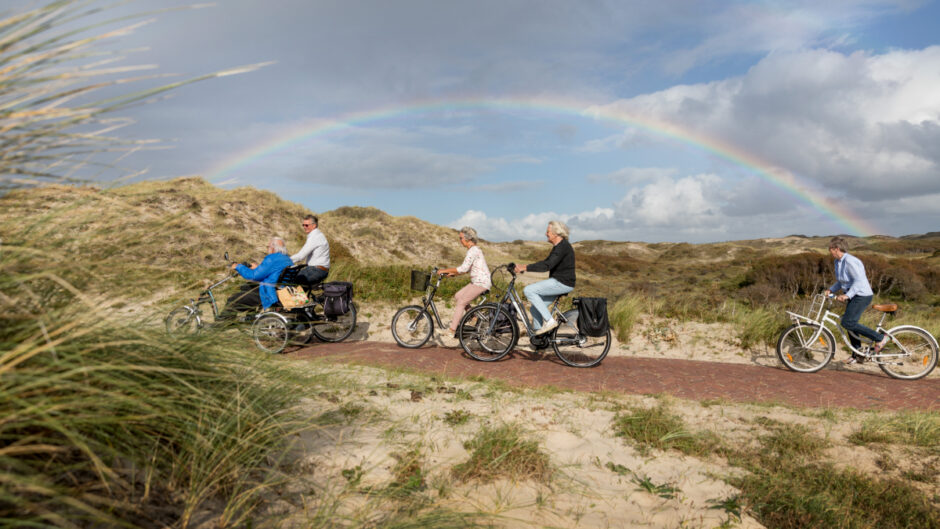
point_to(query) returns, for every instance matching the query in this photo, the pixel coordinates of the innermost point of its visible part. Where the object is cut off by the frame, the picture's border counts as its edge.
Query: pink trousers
(462, 300)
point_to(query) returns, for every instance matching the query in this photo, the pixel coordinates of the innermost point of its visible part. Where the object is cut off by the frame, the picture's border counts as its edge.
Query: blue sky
(841, 96)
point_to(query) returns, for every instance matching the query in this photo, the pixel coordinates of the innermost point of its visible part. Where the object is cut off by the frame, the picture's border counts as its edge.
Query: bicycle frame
(513, 296)
(429, 299)
(208, 295)
(833, 319)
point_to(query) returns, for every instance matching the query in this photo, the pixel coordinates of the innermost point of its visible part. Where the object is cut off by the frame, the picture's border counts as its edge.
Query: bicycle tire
(270, 333)
(412, 326)
(336, 329)
(797, 357)
(182, 321)
(576, 349)
(476, 338)
(918, 349)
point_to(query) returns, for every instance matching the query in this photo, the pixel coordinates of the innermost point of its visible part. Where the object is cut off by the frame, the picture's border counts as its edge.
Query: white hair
(279, 245)
(469, 234)
(559, 228)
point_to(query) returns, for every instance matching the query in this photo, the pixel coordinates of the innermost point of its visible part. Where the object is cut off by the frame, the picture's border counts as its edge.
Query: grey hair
(469, 234)
(840, 243)
(279, 245)
(559, 228)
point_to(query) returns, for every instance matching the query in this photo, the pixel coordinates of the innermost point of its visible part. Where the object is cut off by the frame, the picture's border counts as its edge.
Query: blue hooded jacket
(267, 273)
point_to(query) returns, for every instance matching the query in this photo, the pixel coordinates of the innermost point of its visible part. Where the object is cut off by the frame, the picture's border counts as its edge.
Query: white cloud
(691, 201)
(864, 125)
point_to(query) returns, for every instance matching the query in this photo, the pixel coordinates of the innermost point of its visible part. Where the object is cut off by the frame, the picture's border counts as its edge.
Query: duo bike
(809, 345)
(273, 329)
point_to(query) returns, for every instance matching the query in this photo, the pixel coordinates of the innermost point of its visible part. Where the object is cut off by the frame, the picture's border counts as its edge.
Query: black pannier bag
(337, 297)
(592, 316)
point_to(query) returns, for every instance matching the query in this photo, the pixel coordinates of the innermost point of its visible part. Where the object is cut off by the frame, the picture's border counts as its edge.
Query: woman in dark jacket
(561, 278)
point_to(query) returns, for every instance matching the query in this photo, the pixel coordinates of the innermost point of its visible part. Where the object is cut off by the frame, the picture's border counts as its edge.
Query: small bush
(504, 452)
(658, 428)
(759, 326)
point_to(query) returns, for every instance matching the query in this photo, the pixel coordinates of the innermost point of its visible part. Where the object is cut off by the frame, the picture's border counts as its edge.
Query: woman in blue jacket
(261, 290)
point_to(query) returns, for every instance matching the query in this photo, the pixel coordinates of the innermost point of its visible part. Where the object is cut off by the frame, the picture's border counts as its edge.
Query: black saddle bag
(592, 316)
(337, 298)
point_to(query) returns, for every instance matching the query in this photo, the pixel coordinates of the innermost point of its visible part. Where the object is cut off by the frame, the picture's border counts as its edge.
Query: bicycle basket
(420, 280)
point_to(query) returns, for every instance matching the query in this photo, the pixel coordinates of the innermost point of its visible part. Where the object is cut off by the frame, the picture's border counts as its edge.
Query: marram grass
(108, 424)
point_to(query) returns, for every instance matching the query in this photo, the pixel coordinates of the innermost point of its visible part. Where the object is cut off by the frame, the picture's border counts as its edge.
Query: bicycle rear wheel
(910, 354)
(336, 328)
(482, 343)
(795, 351)
(577, 349)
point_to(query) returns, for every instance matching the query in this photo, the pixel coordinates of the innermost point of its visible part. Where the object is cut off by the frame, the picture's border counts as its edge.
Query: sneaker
(852, 360)
(546, 327)
(881, 345)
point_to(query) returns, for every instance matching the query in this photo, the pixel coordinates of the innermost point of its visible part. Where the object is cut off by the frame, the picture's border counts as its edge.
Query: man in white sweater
(315, 253)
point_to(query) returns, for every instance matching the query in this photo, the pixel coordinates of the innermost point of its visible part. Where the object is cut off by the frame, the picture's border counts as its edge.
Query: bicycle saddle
(886, 307)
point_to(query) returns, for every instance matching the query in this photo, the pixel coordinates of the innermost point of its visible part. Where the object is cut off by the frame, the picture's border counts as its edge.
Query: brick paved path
(682, 378)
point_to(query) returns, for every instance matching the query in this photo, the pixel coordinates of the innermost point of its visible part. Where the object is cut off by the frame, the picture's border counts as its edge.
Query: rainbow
(775, 175)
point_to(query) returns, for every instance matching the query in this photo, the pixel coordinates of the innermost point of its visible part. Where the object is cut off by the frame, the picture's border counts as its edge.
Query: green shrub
(624, 315)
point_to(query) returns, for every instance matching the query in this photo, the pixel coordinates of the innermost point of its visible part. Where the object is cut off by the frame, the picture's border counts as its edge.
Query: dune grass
(504, 452)
(108, 423)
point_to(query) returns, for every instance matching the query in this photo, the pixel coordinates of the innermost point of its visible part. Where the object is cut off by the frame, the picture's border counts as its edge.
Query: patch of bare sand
(598, 479)
(368, 417)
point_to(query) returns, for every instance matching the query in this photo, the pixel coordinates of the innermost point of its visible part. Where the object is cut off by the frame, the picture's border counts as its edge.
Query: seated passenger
(261, 291)
(315, 253)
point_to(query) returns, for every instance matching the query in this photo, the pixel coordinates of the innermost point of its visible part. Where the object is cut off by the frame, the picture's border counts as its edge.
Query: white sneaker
(546, 327)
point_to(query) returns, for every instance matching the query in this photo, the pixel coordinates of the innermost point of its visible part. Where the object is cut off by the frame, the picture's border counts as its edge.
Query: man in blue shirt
(856, 292)
(261, 290)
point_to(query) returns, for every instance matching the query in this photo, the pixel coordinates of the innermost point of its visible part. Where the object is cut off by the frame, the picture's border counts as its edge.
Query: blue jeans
(540, 295)
(853, 311)
(313, 275)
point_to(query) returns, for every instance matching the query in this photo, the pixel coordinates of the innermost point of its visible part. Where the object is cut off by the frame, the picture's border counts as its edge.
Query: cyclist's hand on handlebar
(520, 269)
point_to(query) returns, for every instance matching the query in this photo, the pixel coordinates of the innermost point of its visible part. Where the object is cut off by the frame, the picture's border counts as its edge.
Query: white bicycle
(808, 345)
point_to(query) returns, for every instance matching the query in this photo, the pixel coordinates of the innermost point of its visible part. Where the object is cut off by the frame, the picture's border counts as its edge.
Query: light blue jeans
(540, 295)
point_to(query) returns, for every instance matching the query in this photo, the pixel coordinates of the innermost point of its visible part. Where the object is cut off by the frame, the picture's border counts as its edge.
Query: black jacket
(559, 264)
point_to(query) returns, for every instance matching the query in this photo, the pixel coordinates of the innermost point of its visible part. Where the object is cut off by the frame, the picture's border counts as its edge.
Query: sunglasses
(307, 225)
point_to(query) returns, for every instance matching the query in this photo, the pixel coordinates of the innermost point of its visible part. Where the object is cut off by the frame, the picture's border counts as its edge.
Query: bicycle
(488, 332)
(272, 329)
(808, 345)
(412, 325)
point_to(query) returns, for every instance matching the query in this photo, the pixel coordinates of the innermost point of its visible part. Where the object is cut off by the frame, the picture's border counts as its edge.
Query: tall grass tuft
(624, 315)
(504, 452)
(659, 428)
(108, 423)
(759, 326)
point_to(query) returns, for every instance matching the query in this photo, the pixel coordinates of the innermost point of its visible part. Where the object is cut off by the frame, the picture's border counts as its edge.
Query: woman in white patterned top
(479, 275)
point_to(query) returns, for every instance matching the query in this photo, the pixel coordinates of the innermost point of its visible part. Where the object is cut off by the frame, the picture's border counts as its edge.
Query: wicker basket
(420, 280)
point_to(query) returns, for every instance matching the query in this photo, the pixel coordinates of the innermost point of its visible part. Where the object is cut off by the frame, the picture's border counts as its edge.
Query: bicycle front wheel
(412, 326)
(480, 341)
(270, 333)
(336, 328)
(182, 321)
(797, 352)
(577, 349)
(911, 353)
